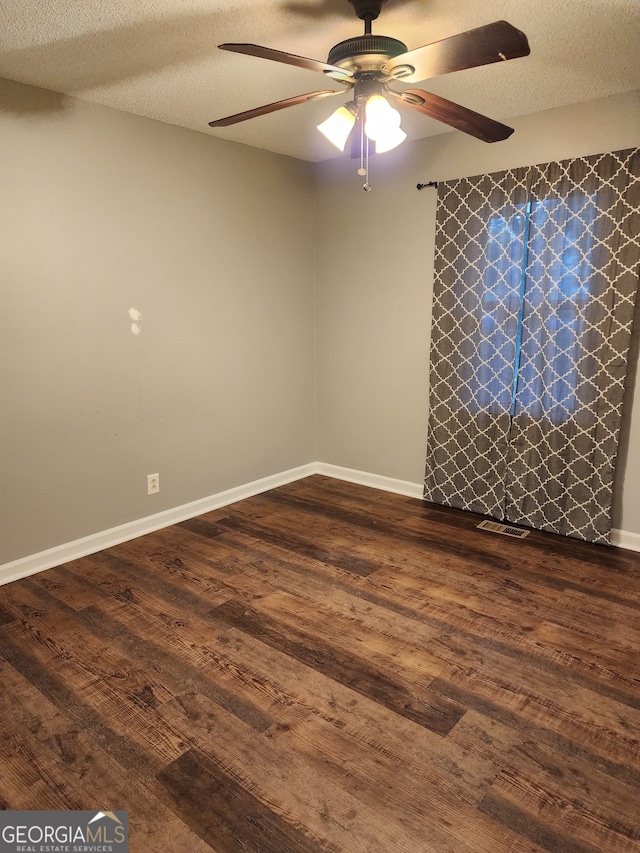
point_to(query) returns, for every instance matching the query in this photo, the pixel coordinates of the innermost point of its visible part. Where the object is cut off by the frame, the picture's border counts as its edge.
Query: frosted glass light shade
(382, 124)
(390, 140)
(338, 127)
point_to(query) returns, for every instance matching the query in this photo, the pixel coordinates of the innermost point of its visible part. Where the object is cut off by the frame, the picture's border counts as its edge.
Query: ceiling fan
(368, 64)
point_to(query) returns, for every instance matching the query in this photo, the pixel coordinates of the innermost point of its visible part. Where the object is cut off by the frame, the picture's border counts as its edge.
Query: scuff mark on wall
(135, 316)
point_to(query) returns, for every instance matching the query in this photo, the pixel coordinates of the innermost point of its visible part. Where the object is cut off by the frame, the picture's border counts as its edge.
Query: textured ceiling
(159, 58)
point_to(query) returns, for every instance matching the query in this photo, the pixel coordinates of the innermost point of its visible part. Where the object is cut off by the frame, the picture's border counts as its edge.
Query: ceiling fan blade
(495, 42)
(332, 71)
(454, 115)
(272, 108)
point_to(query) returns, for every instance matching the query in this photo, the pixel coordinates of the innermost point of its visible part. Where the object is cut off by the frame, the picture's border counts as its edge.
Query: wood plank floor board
(587, 804)
(446, 584)
(75, 590)
(419, 596)
(53, 764)
(264, 567)
(166, 668)
(613, 669)
(327, 667)
(175, 671)
(305, 695)
(125, 567)
(170, 549)
(149, 615)
(58, 684)
(323, 549)
(545, 556)
(175, 550)
(607, 726)
(295, 785)
(571, 787)
(51, 624)
(415, 703)
(188, 583)
(386, 638)
(426, 800)
(486, 596)
(393, 530)
(223, 812)
(524, 598)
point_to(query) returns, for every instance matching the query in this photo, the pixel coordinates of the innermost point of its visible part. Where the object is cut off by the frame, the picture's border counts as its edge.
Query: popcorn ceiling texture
(160, 59)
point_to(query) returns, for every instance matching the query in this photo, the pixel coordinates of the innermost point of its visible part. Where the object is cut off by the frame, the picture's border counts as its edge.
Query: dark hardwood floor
(327, 667)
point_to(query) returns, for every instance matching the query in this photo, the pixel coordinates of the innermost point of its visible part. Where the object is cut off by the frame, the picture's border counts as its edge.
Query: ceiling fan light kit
(382, 124)
(369, 64)
(339, 125)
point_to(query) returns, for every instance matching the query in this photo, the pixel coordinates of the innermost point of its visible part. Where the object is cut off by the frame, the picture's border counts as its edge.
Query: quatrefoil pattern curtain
(534, 293)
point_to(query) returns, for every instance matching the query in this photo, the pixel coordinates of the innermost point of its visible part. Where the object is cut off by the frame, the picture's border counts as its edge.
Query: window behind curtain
(536, 275)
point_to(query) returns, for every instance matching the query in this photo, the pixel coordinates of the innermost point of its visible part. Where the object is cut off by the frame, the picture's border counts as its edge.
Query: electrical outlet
(153, 483)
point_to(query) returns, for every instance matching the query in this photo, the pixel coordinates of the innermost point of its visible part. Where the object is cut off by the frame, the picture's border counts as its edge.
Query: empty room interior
(320, 459)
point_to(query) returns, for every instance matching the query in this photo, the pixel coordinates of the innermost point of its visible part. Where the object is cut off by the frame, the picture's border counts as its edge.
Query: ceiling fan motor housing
(367, 10)
(367, 53)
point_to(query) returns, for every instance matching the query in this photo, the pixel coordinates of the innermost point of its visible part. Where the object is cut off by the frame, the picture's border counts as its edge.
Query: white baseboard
(376, 481)
(624, 539)
(131, 530)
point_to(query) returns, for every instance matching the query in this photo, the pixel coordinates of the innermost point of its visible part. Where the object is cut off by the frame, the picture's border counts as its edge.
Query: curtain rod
(430, 184)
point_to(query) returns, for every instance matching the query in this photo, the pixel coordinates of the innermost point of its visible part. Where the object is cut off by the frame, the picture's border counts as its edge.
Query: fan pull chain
(363, 171)
(367, 186)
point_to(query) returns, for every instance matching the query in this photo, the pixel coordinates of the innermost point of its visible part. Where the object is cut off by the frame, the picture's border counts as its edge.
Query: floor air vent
(496, 527)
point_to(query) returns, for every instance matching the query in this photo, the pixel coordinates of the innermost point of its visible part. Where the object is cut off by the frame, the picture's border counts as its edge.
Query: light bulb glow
(376, 113)
(338, 127)
(382, 124)
(390, 140)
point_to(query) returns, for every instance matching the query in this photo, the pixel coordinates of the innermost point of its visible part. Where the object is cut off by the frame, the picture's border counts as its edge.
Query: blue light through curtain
(536, 276)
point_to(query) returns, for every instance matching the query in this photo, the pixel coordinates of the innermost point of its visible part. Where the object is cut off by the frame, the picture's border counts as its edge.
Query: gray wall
(374, 279)
(214, 243)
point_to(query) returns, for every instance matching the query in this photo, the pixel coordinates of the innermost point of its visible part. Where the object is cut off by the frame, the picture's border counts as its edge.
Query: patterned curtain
(480, 244)
(536, 276)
